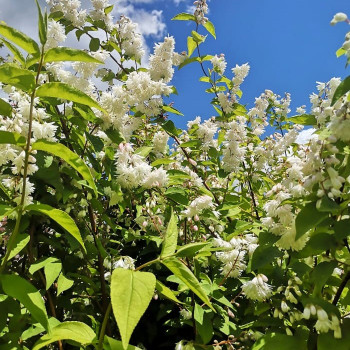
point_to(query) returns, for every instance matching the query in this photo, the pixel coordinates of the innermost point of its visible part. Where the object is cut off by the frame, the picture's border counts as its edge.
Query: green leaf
(20, 243)
(191, 46)
(170, 128)
(108, 9)
(276, 341)
(63, 284)
(303, 119)
(342, 229)
(59, 216)
(326, 341)
(131, 293)
(12, 138)
(264, 255)
(170, 238)
(184, 17)
(66, 92)
(171, 110)
(15, 51)
(113, 344)
(20, 39)
(20, 289)
(41, 264)
(182, 272)
(94, 44)
(340, 52)
(308, 218)
(325, 204)
(42, 25)
(166, 292)
(177, 194)
(209, 26)
(321, 273)
(143, 151)
(191, 249)
(22, 79)
(5, 108)
(341, 90)
(59, 150)
(5, 210)
(76, 331)
(52, 271)
(58, 54)
(198, 38)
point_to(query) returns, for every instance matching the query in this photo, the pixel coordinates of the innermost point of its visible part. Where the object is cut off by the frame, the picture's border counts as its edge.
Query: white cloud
(305, 136)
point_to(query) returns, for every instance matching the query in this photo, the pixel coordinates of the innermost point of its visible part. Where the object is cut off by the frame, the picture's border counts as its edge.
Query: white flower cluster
(55, 34)
(161, 62)
(257, 289)
(323, 324)
(200, 11)
(233, 257)
(86, 69)
(133, 171)
(131, 39)
(70, 9)
(98, 13)
(160, 142)
(198, 205)
(219, 63)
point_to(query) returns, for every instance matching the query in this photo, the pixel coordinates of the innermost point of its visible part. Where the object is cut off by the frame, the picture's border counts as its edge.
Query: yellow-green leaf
(12, 138)
(209, 26)
(57, 54)
(59, 150)
(131, 293)
(170, 238)
(66, 92)
(61, 217)
(166, 292)
(20, 78)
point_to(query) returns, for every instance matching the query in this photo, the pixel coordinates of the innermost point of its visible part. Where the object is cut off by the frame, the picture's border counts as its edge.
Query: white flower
(55, 34)
(257, 289)
(198, 205)
(219, 64)
(156, 178)
(339, 17)
(241, 73)
(160, 141)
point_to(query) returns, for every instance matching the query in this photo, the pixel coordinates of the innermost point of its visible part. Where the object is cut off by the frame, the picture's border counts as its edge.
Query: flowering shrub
(117, 227)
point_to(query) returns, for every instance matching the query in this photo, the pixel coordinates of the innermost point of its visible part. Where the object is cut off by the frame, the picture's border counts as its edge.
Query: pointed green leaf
(20, 289)
(20, 243)
(19, 38)
(76, 331)
(41, 263)
(16, 53)
(308, 218)
(341, 90)
(63, 284)
(113, 344)
(58, 54)
(61, 217)
(170, 238)
(181, 271)
(20, 78)
(5, 108)
(171, 110)
(12, 138)
(191, 249)
(209, 26)
(59, 150)
(184, 17)
(303, 119)
(66, 92)
(5, 210)
(108, 9)
(41, 25)
(131, 293)
(166, 292)
(191, 45)
(52, 271)
(94, 44)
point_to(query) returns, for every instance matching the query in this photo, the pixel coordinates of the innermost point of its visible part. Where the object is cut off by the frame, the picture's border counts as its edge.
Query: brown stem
(341, 288)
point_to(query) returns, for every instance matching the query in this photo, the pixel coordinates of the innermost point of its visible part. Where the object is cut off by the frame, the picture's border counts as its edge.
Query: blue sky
(289, 44)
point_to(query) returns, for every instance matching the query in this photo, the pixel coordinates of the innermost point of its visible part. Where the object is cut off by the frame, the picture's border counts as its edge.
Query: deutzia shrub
(118, 228)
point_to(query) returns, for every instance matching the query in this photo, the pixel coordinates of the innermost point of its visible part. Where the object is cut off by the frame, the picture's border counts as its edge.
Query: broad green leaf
(276, 341)
(112, 344)
(20, 289)
(308, 218)
(5, 210)
(264, 255)
(66, 92)
(191, 46)
(198, 38)
(19, 38)
(41, 25)
(321, 273)
(209, 26)
(170, 128)
(20, 78)
(20, 243)
(325, 204)
(12, 138)
(170, 238)
(166, 292)
(143, 151)
(63, 284)
(15, 51)
(94, 44)
(58, 54)
(303, 119)
(41, 264)
(184, 17)
(326, 341)
(177, 194)
(342, 229)
(5, 108)
(52, 271)
(191, 249)
(61, 217)
(59, 150)
(341, 90)
(182, 272)
(171, 110)
(131, 293)
(108, 9)
(76, 331)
